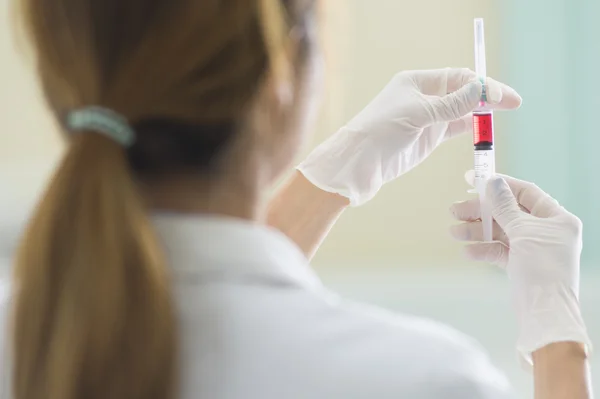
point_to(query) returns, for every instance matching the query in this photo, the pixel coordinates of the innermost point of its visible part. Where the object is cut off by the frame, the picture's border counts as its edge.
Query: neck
(206, 196)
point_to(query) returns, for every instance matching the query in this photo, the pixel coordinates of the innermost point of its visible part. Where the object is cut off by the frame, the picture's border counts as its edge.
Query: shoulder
(417, 357)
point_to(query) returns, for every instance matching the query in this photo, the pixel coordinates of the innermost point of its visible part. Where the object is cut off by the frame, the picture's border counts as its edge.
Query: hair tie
(101, 120)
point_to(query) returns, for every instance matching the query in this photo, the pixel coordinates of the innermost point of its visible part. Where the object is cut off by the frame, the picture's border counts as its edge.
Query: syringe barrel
(483, 129)
(483, 143)
(485, 163)
(485, 167)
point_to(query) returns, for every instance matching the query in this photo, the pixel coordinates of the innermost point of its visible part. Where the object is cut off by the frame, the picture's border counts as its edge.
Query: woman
(147, 271)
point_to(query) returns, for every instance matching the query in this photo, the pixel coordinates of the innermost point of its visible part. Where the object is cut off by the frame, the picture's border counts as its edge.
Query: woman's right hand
(415, 113)
(539, 244)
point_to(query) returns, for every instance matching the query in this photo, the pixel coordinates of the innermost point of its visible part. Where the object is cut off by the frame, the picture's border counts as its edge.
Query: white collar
(227, 248)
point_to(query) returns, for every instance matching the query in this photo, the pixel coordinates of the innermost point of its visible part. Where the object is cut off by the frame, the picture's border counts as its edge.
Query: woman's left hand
(415, 112)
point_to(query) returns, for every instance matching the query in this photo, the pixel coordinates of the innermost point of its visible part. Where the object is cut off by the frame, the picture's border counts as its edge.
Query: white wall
(29, 143)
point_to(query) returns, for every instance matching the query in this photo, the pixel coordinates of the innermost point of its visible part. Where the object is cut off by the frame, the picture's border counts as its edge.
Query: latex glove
(539, 243)
(414, 113)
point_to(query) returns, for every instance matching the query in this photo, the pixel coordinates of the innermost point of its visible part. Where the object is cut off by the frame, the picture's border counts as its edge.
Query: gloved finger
(492, 252)
(459, 126)
(473, 231)
(505, 208)
(534, 199)
(500, 96)
(530, 197)
(439, 82)
(470, 178)
(455, 105)
(466, 211)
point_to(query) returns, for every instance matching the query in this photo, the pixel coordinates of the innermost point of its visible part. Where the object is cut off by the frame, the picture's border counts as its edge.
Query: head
(215, 90)
(218, 93)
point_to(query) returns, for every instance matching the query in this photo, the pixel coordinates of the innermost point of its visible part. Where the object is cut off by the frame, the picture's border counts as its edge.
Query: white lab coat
(256, 323)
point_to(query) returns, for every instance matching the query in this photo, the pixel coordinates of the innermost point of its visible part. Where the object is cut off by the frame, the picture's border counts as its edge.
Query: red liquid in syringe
(483, 130)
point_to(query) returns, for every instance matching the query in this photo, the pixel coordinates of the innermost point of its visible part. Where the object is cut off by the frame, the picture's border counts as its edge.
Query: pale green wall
(551, 54)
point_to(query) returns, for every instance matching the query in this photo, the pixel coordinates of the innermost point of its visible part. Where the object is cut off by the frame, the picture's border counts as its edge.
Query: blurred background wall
(375, 40)
(395, 251)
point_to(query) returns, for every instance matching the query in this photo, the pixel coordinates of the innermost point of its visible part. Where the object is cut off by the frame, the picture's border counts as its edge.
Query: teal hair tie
(103, 121)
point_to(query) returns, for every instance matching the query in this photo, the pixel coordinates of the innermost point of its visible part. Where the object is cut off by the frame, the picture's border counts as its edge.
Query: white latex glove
(539, 244)
(414, 113)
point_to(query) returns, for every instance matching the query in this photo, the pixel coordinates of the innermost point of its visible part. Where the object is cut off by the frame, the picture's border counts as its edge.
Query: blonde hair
(93, 313)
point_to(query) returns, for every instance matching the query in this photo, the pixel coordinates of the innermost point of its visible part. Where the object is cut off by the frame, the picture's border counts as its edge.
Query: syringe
(483, 135)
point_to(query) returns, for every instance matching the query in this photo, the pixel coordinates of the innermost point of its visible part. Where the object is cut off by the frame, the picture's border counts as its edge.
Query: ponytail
(93, 315)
